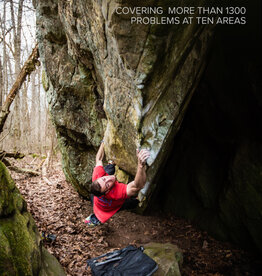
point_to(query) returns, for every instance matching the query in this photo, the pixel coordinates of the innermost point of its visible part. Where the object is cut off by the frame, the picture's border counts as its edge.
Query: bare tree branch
(10, 48)
(2, 38)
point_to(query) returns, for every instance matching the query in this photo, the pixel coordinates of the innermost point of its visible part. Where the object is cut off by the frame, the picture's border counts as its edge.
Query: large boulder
(21, 251)
(105, 77)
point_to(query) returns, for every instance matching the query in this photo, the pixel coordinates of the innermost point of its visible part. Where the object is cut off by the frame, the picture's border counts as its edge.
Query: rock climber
(107, 194)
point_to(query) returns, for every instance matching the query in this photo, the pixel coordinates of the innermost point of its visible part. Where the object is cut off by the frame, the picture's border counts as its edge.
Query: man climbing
(108, 194)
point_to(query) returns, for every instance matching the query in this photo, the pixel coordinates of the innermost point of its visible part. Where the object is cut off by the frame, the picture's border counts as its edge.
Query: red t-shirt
(107, 205)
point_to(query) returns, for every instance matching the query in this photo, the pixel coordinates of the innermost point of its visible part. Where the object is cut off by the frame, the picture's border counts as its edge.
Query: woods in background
(27, 128)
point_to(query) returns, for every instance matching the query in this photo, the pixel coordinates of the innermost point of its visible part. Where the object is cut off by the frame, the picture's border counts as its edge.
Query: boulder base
(168, 257)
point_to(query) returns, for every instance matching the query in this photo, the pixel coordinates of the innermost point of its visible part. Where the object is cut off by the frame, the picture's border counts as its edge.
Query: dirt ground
(59, 210)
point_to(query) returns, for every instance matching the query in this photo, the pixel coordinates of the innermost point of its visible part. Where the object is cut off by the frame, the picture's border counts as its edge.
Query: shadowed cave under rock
(213, 173)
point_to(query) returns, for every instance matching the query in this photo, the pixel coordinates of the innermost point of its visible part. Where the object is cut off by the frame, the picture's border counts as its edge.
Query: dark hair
(110, 169)
(96, 189)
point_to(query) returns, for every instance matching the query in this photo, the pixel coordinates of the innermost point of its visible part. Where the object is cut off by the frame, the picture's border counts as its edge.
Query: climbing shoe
(92, 221)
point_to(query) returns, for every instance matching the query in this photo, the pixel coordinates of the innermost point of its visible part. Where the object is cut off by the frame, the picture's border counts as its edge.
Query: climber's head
(103, 185)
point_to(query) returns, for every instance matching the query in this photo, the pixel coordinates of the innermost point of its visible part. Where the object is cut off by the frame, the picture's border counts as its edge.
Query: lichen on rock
(167, 256)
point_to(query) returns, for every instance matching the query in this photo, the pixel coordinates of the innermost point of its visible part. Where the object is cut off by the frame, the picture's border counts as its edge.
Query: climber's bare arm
(100, 155)
(140, 179)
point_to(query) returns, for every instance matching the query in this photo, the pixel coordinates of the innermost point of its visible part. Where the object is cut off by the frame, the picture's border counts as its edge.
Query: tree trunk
(1, 84)
(3, 64)
(33, 118)
(39, 111)
(25, 123)
(17, 29)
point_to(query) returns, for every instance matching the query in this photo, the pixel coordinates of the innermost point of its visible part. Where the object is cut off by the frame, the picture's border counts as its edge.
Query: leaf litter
(59, 211)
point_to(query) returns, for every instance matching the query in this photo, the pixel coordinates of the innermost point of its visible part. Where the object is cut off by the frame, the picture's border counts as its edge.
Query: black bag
(129, 261)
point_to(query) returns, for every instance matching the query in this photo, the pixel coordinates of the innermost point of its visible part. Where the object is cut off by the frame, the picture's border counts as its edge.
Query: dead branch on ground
(16, 155)
(24, 171)
(40, 165)
(6, 162)
(47, 181)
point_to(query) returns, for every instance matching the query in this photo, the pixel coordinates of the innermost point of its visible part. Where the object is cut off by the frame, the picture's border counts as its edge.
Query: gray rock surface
(167, 256)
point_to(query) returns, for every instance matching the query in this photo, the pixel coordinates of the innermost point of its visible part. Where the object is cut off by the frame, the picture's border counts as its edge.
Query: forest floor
(59, 210)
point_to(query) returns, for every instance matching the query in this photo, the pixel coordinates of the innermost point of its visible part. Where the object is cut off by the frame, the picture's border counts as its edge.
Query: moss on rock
(20, 246)
(24, 243)
(7, 186)
(50, 265)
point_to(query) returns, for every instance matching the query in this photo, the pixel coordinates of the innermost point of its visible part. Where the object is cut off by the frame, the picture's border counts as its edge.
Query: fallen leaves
(59, 210)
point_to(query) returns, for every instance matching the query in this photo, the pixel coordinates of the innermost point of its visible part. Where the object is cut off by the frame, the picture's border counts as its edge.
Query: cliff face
(132, 85)
(108, 78)
(21, 252)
